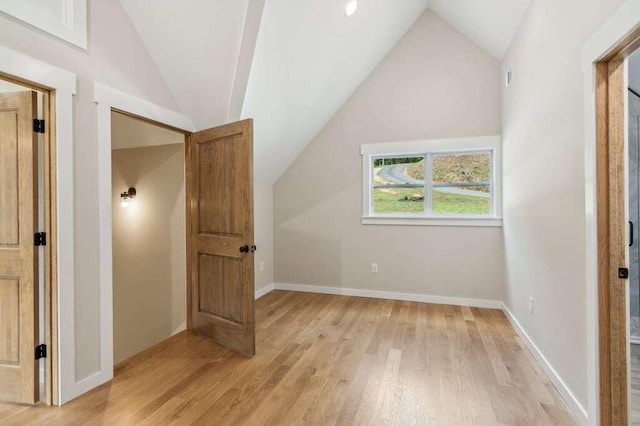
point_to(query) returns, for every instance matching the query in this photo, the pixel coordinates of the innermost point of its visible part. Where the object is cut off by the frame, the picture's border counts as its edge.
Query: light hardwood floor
(325, 359)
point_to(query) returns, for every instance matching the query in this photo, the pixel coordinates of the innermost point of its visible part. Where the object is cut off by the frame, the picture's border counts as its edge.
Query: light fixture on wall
(127, 197)
(351, 8)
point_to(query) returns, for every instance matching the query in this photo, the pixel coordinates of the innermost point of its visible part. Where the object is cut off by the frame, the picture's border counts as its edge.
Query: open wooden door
(219, 168)
(18, 254)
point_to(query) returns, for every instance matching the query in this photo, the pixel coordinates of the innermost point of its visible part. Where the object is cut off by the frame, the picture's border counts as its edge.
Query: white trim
(67, 385)
(27, 68)
(634, 340)
(432, 145)
(107, 98)
(264, 290)
(428, 147)
(64, 83)
(621, 23)
(85, 385)
(71, 26)
(119, 100)
(444, 221)
(103, 140)
(376, 294)
(571, 400)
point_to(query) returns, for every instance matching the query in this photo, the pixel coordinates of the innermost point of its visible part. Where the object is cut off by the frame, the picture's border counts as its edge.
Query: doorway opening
(217, 188)
(148, 234)
(28, 291)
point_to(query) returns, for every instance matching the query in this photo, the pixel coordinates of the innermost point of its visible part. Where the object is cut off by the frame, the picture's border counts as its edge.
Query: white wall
(149, 247)
(544, 181)
(127, 132)
(116, 57)
(434, 84)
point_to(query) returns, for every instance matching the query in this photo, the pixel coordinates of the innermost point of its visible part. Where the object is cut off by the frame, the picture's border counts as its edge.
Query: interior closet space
(149, 234)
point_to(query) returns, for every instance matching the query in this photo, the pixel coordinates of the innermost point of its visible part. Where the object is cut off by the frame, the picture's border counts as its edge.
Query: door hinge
(38, 125)
(623, 273)
(41, 351)
(40, 239)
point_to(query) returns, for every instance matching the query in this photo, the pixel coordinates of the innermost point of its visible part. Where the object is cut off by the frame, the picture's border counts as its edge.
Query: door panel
(9, 177)
(221, 205)
(10, 318)
(18, 255)
(219, 294)
(220, 222)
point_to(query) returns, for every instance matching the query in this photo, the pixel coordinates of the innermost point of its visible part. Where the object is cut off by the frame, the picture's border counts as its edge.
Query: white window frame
(71, 26)
(492, 144)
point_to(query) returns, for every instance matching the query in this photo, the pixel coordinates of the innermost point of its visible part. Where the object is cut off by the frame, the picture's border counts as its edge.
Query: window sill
(433, 221)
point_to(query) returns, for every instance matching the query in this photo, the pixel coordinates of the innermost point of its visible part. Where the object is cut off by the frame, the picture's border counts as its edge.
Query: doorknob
(244, 249)
(253, 249)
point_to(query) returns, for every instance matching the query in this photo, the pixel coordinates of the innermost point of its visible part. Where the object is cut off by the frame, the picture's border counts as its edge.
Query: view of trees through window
(460, 184)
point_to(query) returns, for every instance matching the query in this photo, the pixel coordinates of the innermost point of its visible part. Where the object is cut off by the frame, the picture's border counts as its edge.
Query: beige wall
(149, 265)
(544, 181)
(434, 84)
(117, 58)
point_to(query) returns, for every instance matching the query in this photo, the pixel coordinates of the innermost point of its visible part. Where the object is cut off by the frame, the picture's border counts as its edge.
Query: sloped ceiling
(196, 45)
(309, 59)
(290, 64)
(489, 23)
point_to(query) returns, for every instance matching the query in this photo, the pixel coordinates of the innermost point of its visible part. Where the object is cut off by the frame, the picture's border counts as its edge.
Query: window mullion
(492, 179)
(371, 166)
(428, 184)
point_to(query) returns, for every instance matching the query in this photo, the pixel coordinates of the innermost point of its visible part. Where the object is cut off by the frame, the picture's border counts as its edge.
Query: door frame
(108, 100)
(604, 70)
(59, 89)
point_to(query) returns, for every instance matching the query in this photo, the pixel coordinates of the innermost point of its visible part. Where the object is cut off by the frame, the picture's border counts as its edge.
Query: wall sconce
(127, 197)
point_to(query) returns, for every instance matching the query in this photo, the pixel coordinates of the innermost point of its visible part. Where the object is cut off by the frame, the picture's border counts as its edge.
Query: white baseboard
(376, 294)
(85, 385)
(264, 290)
(574, 405)
(182, 327)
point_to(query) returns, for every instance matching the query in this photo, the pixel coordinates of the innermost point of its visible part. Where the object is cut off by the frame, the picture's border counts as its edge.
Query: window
(443, 182)
(66, 19)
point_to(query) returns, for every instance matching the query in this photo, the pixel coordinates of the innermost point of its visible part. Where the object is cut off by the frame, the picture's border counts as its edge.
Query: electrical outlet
(374, 268)
(531, 305)
(262, 266)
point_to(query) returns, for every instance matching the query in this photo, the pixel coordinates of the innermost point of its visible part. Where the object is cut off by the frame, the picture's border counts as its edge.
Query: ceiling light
(351, 7)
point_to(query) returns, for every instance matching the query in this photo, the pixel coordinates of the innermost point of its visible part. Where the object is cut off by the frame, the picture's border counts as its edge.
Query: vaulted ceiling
(309, 59)
(196, 45)
(489, 23)
(290, 64)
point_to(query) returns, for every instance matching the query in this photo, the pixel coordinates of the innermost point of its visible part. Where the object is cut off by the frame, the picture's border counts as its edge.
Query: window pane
(461, 200)
(462, 168)
(398, 185)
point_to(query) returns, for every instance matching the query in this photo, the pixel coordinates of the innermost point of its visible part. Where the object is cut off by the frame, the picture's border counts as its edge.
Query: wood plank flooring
(324, 360)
